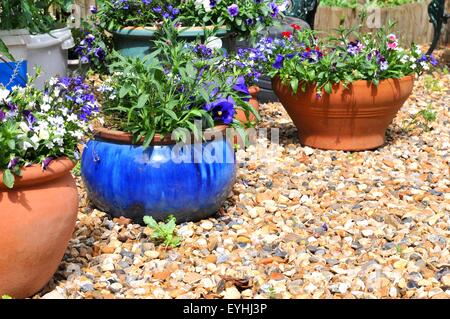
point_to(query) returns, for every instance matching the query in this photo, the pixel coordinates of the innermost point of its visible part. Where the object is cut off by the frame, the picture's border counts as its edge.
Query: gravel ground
(306, 224)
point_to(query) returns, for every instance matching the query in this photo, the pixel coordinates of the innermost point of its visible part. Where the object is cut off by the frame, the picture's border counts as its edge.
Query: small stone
(446, 280)
(244, 239)
(400, 264)
(115, 287)
(231, 293)
(367, 232)
(192, 278)
(53, 295)
(161, 275)
(206, 225)
(152, 254)
(308, 150)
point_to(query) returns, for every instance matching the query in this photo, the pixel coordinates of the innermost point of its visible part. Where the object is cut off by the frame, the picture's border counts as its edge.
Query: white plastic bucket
(49, 51)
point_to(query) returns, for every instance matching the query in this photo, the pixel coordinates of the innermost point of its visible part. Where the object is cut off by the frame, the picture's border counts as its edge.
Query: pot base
(326, 142)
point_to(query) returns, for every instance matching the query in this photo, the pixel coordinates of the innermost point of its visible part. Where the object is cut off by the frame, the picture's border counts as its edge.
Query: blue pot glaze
(131, 181)
(7, 76)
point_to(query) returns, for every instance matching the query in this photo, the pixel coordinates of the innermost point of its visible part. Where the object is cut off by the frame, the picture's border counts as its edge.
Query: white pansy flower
(35, 140)
(205, 3)
(45, 107)
(283, 7)
(214, 43)
(24, 127)
(53, 81)
(72, 118)
(44, 135)
(413, 66)
(4, 93)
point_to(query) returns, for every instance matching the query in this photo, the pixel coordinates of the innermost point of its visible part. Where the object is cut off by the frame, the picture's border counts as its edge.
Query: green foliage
(432, 84)
(167, 92)
(251, 19)
(164, 233)
(423, 119)
(348, 57)
(39, 126)
(77, 169)
(272, 293)
(372, 3)
(33, 15)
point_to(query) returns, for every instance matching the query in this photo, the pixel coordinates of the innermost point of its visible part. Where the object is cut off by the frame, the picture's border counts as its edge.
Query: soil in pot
(37, 218)
(351, 119)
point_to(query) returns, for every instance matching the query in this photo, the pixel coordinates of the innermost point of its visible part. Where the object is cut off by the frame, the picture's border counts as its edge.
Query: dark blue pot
(131, 181)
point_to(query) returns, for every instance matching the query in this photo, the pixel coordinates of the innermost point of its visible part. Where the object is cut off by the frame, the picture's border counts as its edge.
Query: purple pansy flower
(241, 86)
(29, 117)
(13, 162)
(278, 64)
(355, 47)
(93, 9)
(274, 9)
(222, 110)
(233, 10)
(46, 162)
(2, 115)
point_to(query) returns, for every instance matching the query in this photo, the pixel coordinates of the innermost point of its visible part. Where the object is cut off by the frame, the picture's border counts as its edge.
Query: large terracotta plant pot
(37, 218)
(129, 180)
(351, 119)
(240, 114)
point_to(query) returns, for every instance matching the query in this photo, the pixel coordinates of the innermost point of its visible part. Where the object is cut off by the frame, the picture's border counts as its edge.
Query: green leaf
(328, 88)
(150, 221)
(4, 51)
(294, 84)
(8, 178)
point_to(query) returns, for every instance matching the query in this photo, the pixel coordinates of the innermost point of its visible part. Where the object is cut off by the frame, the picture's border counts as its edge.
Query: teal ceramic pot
(137, 41)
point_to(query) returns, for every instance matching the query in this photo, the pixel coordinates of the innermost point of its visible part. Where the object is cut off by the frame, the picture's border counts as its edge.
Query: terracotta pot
(240, 115)
(349, 119)
(37, 218)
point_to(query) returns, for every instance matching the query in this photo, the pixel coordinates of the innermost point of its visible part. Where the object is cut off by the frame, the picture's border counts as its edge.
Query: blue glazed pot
(138, 42)
(132, 181)
(13, 74)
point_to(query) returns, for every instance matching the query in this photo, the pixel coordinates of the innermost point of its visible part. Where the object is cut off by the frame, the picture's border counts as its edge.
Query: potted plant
(39, 134)
(342, 93)
(246, 67)
(135, 23)
(35, 39)
(162, 150)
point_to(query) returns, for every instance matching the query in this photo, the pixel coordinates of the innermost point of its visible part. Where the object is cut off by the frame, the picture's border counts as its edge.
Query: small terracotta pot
(37, 218)
(240, 115)
(350, 119)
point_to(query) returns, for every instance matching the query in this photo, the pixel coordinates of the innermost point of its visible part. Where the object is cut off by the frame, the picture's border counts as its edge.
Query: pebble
(231, 293)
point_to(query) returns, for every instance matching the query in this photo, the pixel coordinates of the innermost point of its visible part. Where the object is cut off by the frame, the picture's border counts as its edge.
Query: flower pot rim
(409, 77)
(254, 90)
(34, 175)
(122, 137)
(185, 30)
